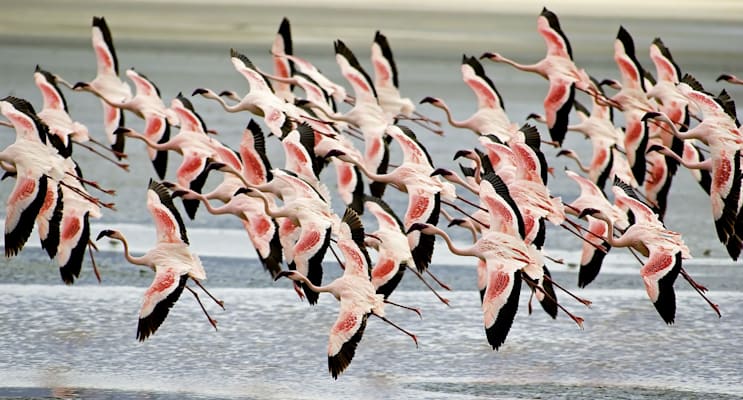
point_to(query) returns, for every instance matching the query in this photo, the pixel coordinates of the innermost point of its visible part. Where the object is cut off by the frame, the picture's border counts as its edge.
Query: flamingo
(148, 105)
(107, 84)
(721, 134)
(260, 99)
(38, 168)
(595, 247)
(490, 117)
(664, 248)
(730, 78)
(559, 69)
(394, 255)
(505, 256)
(170, 259)
(356, 294)
(387, 85)
(195, 145)
(311, 221)
(367, 114)
(424, 191)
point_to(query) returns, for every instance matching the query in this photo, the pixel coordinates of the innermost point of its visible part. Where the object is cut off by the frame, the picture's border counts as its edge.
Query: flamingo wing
(256, 166)
(549, 27)
(308, 254)
(423, 206)
(345, 336)
(474, 76)
(168, 222)
(246, 68)
(659, 273)
(591, 257)
(159, 298)
(24, 204)
(500, 301)
(105, 53)
(557, 105)
(355, 74)
(157, 129)
(385, 70)
(74, 238)
(50, 92)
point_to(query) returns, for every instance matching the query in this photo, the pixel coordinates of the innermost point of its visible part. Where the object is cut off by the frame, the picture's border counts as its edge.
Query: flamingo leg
(412, 336)
(701, 289)
(212, 321)
(121, 165)
(219, 302)
(578, 320)
(92, 246)
(414, 309)
(581, 300)
(92, 183)
(428, 285)
(437, 280)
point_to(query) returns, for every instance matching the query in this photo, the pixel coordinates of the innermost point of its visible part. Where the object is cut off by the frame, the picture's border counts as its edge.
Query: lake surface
(79, 341)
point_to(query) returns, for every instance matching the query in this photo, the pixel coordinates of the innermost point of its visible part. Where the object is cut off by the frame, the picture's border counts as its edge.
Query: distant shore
(195, 23)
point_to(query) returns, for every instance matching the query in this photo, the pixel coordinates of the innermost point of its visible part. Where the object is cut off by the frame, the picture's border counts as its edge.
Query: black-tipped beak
(122, 131)
(462, 153)
(456, 222)
(487, 55)
(225, 93)
(199, 91)
(562, 153)
(429, 99)
(655, 147)
(178, 193)
(334, 153)
(79, 85)
(282, 274)
(442, 172)
(215, 166)
(588, 211)
(242, 190)
(724, 77)
(106, 232)
(650, 115)
(416, 227)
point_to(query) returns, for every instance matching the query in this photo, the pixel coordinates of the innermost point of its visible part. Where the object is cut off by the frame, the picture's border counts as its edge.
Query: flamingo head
(588, 211)
(442, 171)
(432, 100)
(418, 227)
(110, 233)
(293, 275)
(495, 57)
(725, 77)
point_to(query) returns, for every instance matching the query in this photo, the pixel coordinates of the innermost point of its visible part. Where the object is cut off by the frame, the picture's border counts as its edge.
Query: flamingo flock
(500, 195)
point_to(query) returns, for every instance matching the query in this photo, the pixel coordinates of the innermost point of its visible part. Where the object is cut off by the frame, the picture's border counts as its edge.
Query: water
(79, 341)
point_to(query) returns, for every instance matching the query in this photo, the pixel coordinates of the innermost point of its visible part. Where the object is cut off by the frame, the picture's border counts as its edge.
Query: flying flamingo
(394, 255)
(260, 99)
(718, 131)
(387, 85)
(107, 84)
(356, 294)
(559, 69)
(148, 105)
(195, 145)
(595, 247)
(171, 260)
(414, 177)
(664, 248)
(505, 256)
(38, 169)
(490, 117)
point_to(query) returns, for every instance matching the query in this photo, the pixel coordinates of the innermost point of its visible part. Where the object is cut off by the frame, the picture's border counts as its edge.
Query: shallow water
(79, 341)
